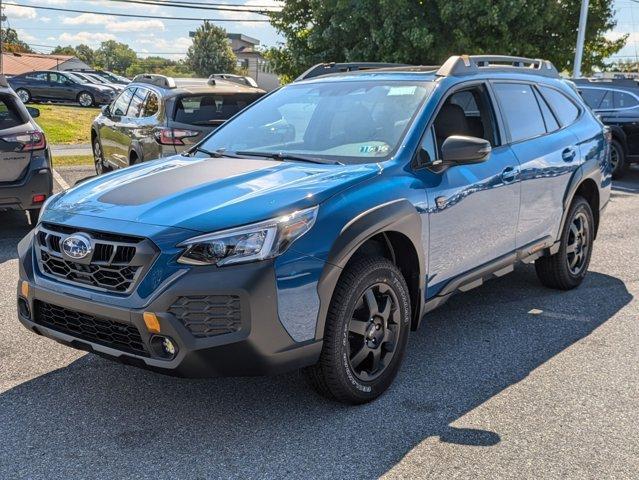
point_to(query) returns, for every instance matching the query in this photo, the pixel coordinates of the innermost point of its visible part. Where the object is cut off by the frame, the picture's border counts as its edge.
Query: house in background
(252, 61)
(17, 63)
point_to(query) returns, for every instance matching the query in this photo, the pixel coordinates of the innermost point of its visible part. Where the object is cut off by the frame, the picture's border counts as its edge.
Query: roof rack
(161, 81)
(330, 68)
(470, 64)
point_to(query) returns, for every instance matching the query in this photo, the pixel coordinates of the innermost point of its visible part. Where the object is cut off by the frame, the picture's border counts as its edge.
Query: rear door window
(624, 100)
(606, 101)
(121, 105)
(521, 110)
(39, 76)
(135, 107)
(592, 96)
(210, 109)
(565, 109)
(10, 114)
(549, 117)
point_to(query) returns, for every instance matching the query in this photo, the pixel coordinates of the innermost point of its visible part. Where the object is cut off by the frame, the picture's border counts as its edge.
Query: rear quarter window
(10, 113)
(624, 100)
(210, 109)
(565, 109)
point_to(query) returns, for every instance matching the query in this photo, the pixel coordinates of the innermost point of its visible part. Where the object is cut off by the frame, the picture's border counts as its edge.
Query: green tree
(115, 56)
(11, 42)
(163, 66)
(428, 32)
(211, 51)
(60, 50)
(85, 53)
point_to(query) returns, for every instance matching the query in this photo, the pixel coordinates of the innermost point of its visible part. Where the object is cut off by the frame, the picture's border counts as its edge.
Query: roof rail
(330, 68)
(161, 81)
(470, 64)
(229, 77)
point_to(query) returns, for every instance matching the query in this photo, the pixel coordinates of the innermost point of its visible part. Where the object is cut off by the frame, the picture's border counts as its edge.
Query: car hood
(206, 194)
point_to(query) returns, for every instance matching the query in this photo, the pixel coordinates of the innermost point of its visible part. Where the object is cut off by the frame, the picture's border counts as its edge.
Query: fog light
(164, 347)
(23, 309)
(39, 198)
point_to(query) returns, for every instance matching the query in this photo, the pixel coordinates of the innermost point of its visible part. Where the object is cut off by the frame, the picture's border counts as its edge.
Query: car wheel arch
(392, 230)
(587, 188)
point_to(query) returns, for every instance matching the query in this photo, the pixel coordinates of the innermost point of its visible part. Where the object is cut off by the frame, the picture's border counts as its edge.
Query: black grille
(116, 263)
(120, 336)
(209, 315)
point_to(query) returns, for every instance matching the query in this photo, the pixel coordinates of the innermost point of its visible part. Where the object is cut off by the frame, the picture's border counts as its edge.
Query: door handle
(569, 154)
(510, 174)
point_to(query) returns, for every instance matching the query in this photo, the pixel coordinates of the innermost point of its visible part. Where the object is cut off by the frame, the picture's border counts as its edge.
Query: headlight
(249, 243)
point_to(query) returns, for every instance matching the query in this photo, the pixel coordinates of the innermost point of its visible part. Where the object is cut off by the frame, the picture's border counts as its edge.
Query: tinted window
(121, 105)
(566, 110)
(151, 106)
(10, 114)
(58, 79)
(40, 76)
(549, 117)
(521, 110)
(606, 101)
(592, 96)
(210, 109)
(135, 107)
(624, 100)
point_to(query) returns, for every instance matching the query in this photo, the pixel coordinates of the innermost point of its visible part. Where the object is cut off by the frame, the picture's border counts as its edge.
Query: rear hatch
(196, 115)
(14, 125)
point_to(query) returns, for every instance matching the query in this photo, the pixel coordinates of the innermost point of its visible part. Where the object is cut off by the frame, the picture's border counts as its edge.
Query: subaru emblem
(77, 246)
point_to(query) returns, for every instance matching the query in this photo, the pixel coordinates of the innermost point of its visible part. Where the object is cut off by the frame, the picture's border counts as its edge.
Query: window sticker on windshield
(374, 149)
(397, 91)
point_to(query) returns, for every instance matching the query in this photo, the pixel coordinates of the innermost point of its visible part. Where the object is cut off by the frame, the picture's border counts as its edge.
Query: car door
(110, 133)
(145, 140)
(61, 88)
(129, 127)
(473, 209)
(36, 83)
(547, 152)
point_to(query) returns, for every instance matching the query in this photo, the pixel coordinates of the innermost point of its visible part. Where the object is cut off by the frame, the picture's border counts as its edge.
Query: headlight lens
(249, 243)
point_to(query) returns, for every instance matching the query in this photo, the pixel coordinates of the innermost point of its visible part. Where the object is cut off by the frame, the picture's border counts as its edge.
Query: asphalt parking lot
(487, 390)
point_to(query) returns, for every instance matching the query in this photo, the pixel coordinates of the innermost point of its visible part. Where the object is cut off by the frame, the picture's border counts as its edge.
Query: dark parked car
(97, 80)
(617, 104)
(25, 159)
(158, 116)
(60, 87)
(108, 76)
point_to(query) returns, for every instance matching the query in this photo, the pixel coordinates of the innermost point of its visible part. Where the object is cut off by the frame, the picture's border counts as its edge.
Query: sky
(170, 38)
(44, 29)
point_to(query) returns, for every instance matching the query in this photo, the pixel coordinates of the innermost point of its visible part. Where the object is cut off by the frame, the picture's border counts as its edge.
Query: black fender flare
(396, 216)
(136, 148)
(578, 178)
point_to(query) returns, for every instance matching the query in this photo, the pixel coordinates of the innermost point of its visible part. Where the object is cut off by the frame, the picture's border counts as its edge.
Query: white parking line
(61, 181)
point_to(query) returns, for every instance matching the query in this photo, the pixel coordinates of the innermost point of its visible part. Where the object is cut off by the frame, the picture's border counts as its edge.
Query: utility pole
(581, 37)
(1, 53)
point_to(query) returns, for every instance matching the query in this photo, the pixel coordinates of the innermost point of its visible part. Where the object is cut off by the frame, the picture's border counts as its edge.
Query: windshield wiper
(219, 153)
(289, 156)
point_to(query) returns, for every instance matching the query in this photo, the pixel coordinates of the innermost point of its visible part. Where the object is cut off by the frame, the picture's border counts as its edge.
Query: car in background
(617, 104)
(106, 75)
(26, 180)
(96, 80)
(158, 116)
(58, 86)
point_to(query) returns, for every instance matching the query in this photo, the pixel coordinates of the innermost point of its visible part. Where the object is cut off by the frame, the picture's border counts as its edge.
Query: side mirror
(463, 150)
(34, 112)
(106, 111)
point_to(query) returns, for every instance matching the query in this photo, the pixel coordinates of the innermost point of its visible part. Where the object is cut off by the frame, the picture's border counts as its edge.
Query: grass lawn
(72, 160)
(65, 124)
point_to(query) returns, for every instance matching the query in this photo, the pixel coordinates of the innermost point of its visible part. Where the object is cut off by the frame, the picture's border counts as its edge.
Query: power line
(131, 15)
(199, 6)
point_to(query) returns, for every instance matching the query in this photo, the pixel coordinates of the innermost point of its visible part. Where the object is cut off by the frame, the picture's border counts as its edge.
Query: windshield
(349, 122)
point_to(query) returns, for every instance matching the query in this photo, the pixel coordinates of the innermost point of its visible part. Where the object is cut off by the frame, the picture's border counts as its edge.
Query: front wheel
(567, 268)
(85, 99)
(365, 334)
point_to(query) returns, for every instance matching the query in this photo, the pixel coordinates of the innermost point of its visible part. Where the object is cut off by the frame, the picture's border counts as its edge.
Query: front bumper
(37, 180)
(259, 346)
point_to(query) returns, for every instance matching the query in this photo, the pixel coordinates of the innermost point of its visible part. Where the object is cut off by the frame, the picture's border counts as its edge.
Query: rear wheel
(567, 268)
(98, 158)
(85, 99)
(617, 159)
(365, 334)
(24, 95)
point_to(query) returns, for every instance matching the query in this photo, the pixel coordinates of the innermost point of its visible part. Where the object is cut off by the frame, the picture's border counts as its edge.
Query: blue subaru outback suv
(316, 228)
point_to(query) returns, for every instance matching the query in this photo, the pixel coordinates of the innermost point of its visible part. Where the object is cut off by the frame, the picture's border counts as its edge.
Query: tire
(617, 160)
(86, 99)
(567, 268)
(365, 334)
(98, 159)
(133, 159)
(24, 95)
(34, 216)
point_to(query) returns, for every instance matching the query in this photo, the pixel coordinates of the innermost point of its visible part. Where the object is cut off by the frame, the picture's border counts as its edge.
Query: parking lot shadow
(13, 227)
(629, 183)
(99, 419)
